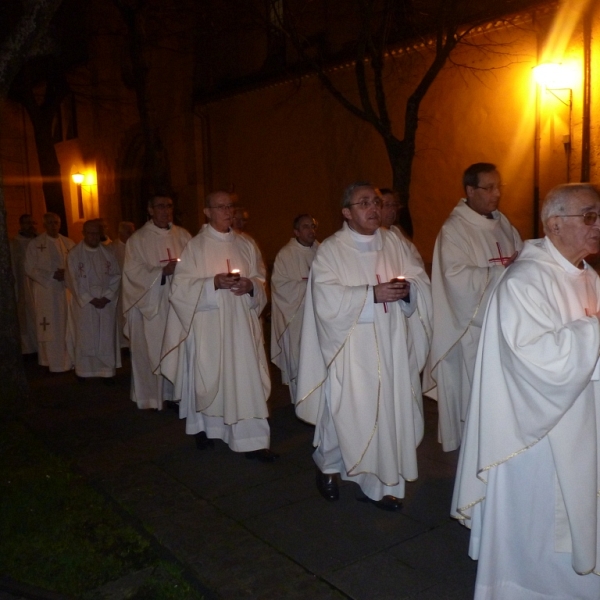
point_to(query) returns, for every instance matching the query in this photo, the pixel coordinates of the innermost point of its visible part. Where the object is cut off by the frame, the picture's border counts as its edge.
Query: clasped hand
(238, 285)
(391, 291)
(99, 302)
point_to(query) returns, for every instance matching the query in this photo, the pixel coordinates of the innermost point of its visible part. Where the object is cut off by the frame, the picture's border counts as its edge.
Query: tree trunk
(41, 119)
(401, 162)
(156, 176)
(13, 53)
(12, 373)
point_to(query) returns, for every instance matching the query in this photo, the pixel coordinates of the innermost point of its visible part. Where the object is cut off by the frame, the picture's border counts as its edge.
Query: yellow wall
(291, 148)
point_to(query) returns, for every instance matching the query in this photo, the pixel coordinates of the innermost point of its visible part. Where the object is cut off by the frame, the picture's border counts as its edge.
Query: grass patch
(58, 533)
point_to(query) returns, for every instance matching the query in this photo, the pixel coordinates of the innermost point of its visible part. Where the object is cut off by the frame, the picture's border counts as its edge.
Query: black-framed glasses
(364, 204)
(589, 218)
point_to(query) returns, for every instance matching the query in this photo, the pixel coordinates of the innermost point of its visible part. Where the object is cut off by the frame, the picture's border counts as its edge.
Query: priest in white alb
(45, 263)
(24, 285)
(528, 479)
(125, 231)
(365, 340)
(151, 257)
(474, 247)
(213, 349)
(94, 277)
(288, 289)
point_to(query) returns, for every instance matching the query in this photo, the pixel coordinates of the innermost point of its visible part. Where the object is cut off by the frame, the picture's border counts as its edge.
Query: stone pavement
(248, 530)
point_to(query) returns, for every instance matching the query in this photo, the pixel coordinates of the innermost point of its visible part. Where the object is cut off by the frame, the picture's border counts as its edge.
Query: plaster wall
(292, 148)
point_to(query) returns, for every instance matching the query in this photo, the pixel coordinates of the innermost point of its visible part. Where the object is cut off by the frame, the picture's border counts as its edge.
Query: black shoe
(172, 405)
(109, 381)
(389, 503)
(264, 455)
(80, 379)
(328, 486)
(202, 442)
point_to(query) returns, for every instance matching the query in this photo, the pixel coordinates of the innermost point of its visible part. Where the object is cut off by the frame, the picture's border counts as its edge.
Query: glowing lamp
(77, 178)
(552, 76)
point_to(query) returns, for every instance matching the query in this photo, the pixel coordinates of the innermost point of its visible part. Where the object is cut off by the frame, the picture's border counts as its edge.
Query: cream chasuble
(528, 475)
(413, 249)
(145, 306)
(467, 263)
(360, 361)
(43, 257)
(213, 349)
(288, 288)
(24, 294)
(93, 273)
(118, 247)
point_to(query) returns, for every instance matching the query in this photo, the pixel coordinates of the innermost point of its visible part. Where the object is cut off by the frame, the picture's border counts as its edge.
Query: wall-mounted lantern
(78, 180)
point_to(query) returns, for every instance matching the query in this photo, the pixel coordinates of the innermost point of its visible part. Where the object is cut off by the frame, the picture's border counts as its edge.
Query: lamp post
(553, 78)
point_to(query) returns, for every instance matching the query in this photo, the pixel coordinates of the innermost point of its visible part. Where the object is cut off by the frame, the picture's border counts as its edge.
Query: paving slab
(248, 530)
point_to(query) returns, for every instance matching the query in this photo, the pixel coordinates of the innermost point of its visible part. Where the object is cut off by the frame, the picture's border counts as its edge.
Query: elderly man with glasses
(529, 474)
(365, 339)
(474, 247)
(151, 257)
(213, 348)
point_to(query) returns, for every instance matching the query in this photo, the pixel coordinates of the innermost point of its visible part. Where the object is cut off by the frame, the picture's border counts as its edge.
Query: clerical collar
(90, 249)
(169, 225)
(487, 216)
(227, 236)
(567, 265)
(302, 245)
(360, 237)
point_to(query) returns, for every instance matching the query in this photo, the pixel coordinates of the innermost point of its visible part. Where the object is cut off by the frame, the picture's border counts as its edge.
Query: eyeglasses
(223, 207)
(364, 204)
(589, 218)
(489, 188)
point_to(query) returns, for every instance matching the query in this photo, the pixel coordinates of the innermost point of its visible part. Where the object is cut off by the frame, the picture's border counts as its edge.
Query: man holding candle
(213, 349)
(365, 339)
(288, 290)
(528, 475)
(151, 257)
(474, 247)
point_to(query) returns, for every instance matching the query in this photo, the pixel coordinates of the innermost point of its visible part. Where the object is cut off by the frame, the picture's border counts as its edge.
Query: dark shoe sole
(386, 503)
(328, 486)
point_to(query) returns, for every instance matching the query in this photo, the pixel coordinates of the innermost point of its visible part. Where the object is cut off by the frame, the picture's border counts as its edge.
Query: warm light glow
(552, 76)
(77, 178)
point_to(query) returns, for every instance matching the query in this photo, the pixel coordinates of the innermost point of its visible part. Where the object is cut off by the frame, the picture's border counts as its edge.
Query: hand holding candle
(392, 291)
